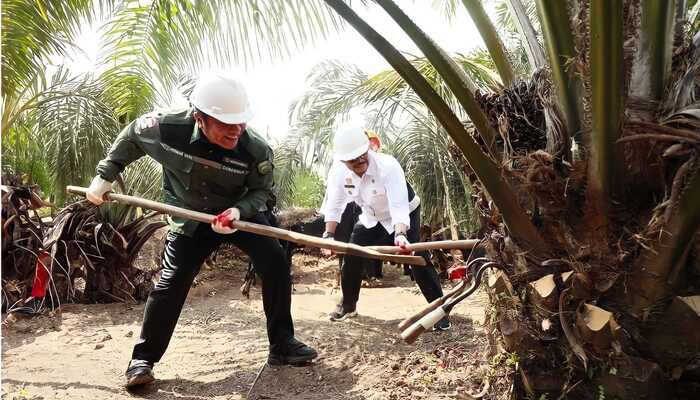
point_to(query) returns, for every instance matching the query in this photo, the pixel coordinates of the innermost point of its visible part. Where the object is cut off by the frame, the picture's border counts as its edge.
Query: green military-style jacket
(197, 174)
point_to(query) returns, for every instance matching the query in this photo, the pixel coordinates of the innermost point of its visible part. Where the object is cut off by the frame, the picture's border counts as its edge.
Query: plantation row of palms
(57, 125)
(571, 143)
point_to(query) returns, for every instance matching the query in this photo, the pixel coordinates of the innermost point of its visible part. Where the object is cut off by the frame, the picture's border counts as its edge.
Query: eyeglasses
(357, 160)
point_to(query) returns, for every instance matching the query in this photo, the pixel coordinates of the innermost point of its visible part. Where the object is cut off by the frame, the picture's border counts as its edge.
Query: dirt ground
(220, 345)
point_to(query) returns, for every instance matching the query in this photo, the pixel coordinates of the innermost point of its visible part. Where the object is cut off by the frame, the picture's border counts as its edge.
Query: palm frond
(694, 19)
(423, 150)
(519, 17)
(288, 163)
(491, 39)
(607, 101)
(23, 154)
(447, 8)
(652, 63)
(32, 31)
(144, 178)
(559, 44)
(76, 127)
(333, 94)
(148, 46)
(507, 20)
(477, 64)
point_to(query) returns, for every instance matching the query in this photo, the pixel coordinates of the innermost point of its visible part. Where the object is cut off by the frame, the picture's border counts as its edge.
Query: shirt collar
(372, 169)
(197, 134)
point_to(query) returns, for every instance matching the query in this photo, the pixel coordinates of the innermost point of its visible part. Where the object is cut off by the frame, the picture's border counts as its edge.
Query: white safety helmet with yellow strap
(222, 97)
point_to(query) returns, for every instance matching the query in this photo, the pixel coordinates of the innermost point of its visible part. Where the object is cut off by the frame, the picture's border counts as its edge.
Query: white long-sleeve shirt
(381, 192)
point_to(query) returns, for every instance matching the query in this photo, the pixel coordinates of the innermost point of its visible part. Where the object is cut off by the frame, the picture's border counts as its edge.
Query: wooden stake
(257, 378)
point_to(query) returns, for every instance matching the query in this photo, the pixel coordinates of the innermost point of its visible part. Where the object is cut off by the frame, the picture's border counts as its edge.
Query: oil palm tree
(600, 245)
(146, 47)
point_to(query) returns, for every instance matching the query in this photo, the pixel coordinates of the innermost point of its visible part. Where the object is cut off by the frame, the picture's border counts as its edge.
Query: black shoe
(442, 325)
(342, 313)
(139, 372)
(293, 352)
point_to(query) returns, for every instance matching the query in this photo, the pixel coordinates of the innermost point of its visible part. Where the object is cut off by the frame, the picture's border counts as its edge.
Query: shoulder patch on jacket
(147, 125)
(265, 167)
(147, 122)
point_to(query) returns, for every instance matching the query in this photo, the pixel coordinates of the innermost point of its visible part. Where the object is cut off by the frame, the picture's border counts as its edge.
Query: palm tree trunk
(661, 265)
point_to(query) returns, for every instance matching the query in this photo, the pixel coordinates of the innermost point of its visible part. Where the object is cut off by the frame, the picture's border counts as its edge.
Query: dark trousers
(182, 258)
(371, 268)
(351, 270)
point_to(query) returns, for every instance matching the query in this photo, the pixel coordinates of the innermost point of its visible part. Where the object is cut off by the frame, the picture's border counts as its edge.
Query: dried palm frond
(86, 245)
(22, 235)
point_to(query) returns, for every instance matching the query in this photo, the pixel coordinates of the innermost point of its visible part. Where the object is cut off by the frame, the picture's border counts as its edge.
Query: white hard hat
(350, 142)
(222, 97)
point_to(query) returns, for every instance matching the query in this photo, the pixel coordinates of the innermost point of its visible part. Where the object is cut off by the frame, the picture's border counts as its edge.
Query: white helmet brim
(231, 118)
(350, 155)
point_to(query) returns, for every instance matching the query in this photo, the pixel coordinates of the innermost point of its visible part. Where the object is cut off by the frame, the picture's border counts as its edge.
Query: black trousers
(351, 270)
(371, 268)
(183, 257)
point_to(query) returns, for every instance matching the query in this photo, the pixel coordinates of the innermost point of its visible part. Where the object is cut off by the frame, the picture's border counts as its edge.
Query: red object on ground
(457, 272)
(41, 277)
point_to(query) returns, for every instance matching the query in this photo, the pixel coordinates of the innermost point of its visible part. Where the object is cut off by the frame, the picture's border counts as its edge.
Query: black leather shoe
(139, 373)
(293, 352)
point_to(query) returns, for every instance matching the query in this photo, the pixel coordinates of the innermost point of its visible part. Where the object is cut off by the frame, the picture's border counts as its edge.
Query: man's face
(219, 133)
(358, 165)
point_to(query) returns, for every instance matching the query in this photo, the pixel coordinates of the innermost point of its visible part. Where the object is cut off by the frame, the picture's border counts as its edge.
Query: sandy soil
(220, 345)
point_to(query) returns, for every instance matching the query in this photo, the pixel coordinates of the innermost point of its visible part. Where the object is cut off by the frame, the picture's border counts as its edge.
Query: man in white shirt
(390, 213)
(371, 268)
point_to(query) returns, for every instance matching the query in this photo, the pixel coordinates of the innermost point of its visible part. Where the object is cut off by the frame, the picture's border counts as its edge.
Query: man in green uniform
(211, 163)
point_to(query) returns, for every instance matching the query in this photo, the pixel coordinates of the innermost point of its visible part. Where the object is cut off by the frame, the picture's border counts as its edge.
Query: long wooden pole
(307, 240)
(422, 246)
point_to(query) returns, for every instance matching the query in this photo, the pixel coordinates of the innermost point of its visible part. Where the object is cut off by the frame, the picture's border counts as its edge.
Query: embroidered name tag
(229, 160)
(204, 161)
